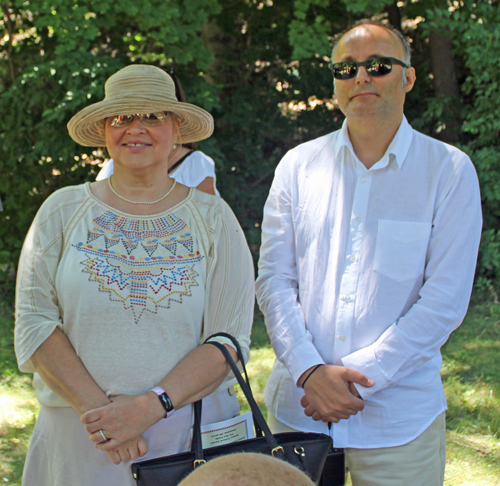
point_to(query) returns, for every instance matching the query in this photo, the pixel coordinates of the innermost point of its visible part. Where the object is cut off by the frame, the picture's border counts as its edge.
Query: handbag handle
(239, 352)
(196, 445)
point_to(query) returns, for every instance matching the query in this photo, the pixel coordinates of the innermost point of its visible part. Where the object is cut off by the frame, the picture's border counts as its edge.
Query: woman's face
(138, 146)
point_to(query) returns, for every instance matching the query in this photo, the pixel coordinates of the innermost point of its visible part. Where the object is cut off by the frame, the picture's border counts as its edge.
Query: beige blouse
(133, 294)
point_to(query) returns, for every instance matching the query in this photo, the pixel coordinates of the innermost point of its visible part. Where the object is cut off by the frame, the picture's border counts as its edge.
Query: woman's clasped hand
(123, 421)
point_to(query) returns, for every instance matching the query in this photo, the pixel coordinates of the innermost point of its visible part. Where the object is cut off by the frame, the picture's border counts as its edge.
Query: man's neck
(371, 138)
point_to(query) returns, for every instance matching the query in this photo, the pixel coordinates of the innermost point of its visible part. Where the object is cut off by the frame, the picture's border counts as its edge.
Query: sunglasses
(376, 66)
(149, 119)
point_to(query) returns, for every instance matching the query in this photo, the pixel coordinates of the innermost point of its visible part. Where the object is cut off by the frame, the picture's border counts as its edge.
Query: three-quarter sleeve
(230, 290)
(37, 311)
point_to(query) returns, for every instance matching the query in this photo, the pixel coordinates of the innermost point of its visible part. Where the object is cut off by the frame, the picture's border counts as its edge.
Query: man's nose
(362, 75)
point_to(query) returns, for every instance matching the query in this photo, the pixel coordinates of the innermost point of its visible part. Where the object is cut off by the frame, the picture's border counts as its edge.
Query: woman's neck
(176, 154)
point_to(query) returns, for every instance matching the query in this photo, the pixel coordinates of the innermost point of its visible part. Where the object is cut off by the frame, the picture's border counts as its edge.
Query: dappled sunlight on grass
(471, 376)
(470, 463)
(18, 406)
(18, 411)
(259, 368)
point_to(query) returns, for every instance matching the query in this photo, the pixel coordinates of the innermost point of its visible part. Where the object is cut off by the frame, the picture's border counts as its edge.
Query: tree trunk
(213, 40)
(446, 84)
(394, 15)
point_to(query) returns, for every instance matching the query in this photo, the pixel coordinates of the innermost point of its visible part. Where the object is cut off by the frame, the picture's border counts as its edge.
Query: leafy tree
(55, 59)
(456, 98)
(261, 68)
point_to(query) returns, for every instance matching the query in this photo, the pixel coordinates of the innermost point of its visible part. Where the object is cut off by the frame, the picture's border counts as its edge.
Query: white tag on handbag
(227, 431)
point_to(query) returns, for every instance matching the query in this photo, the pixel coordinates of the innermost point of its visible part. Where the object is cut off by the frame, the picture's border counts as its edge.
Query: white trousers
(418, 463)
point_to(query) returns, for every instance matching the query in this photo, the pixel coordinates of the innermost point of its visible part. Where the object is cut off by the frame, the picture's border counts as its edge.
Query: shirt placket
(347, 299)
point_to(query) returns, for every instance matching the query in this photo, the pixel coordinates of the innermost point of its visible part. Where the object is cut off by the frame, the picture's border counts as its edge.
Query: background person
(186, 165)
(246, 469)
(369, 245)
(119, 282)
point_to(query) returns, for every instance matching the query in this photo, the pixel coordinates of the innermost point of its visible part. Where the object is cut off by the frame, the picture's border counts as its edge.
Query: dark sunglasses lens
(379, 66)
(344, 70)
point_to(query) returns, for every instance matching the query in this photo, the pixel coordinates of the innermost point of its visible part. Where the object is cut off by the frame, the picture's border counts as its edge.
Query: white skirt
(61, 453)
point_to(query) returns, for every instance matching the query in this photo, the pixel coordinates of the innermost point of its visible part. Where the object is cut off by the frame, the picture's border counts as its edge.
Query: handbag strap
(239, 352)
(196, 446)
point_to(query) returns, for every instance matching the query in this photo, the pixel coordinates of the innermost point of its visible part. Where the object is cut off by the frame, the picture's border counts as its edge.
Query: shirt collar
(398, 147)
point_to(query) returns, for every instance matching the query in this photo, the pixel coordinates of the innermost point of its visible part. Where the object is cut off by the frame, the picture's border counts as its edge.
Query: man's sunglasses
(149, 119)
(376, 66)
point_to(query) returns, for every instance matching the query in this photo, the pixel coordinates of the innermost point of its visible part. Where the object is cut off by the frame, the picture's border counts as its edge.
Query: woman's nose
(136, 125)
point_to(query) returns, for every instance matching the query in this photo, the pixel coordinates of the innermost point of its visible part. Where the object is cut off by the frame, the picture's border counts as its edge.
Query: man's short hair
(405, 43)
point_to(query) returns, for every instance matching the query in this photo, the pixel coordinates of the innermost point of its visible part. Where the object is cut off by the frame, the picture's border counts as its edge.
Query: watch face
(166, 402)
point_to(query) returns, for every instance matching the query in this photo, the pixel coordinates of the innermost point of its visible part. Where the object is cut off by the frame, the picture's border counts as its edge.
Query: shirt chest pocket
(401, 248)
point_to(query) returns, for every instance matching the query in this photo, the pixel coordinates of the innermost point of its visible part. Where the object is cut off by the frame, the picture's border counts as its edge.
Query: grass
(18, 406)
(471, 377)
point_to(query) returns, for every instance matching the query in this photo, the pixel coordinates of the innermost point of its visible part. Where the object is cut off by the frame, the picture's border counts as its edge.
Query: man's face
(380, 98)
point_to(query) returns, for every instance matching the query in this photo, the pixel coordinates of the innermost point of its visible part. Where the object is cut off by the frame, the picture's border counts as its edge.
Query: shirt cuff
(365, 361)
(300, 358)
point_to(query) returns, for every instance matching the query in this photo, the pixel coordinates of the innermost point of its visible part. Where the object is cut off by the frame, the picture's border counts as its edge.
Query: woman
(186, 165)
(119, 282)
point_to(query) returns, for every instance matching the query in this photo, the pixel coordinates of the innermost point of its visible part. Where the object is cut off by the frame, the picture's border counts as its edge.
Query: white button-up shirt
(371, 270)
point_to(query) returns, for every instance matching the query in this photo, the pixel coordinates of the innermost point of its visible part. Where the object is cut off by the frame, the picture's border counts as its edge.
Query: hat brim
(85, 129)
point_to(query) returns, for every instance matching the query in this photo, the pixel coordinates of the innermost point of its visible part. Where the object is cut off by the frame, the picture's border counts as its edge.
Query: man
(370, 239)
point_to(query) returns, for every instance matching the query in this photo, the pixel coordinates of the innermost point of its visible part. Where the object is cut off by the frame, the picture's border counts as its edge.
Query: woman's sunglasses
(149, 119)
(376, 66)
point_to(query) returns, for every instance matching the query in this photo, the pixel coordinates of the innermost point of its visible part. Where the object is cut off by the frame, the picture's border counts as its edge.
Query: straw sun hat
(139, 88)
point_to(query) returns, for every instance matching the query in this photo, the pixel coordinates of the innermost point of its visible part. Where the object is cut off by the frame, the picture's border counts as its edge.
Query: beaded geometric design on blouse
(145, 264)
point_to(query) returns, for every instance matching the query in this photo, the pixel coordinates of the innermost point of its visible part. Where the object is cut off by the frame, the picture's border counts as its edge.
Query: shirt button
(346, 298)
(363, 181)
(358, 219)
(352, 258)
(342, 338)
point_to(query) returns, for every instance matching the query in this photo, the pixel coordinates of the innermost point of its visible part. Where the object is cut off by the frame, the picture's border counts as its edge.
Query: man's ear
(410, 78)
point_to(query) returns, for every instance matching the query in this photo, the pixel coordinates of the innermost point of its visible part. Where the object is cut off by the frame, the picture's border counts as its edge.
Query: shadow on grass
(471, 373)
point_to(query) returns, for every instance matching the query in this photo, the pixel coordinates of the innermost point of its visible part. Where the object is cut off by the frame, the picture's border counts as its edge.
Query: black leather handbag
(307, 451)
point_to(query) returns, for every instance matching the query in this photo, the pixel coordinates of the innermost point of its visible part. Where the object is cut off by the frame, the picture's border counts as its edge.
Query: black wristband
(309, 375)
(165, 401)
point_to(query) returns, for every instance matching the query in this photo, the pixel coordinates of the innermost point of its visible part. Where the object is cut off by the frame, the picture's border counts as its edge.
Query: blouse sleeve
(230, 292)
(37, 311)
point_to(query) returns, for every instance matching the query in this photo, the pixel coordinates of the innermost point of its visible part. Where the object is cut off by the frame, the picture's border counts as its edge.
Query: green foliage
(261, 68)
(476, 31)
(474, 28)
(55, 62)
(367, 7)
(264, 109)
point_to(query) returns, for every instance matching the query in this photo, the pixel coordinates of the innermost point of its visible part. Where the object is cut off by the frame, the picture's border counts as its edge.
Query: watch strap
(165, 401)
